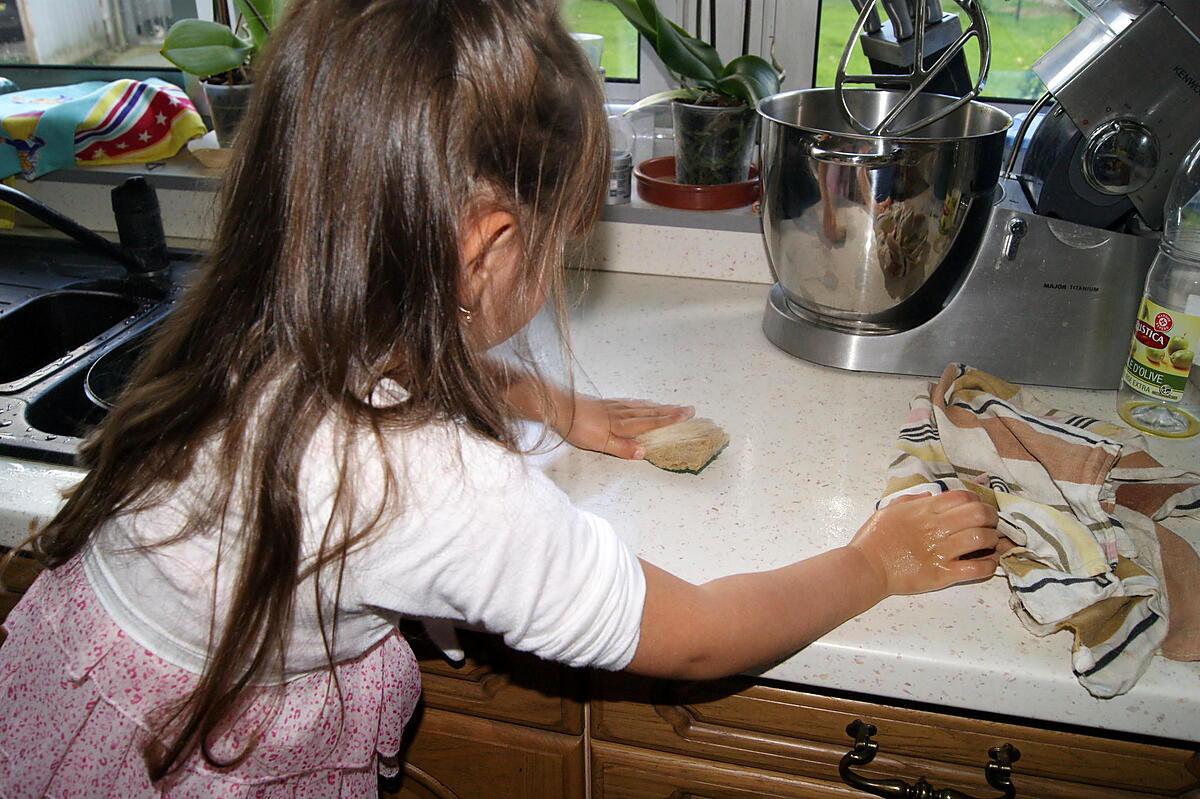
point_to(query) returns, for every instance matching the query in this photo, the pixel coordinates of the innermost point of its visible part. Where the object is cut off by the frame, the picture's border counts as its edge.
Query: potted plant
(714, 107)
(221, 54)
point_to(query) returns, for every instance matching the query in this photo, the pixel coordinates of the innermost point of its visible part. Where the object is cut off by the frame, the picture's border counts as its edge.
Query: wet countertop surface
(807, 459)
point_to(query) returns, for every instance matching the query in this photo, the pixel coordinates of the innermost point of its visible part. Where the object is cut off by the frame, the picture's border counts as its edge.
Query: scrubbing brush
(686, 446)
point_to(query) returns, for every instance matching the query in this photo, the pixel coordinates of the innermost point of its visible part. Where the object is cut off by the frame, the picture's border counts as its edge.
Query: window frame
(796, 22)
(652, 75)
(44, 76)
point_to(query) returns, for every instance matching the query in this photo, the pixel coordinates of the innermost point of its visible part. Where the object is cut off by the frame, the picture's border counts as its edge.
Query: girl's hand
(610, 426)
(917, 543)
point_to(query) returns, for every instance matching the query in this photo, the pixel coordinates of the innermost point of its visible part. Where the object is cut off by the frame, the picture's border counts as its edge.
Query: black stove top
(61, 309)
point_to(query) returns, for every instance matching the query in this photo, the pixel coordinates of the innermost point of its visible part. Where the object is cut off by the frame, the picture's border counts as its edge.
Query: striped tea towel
(95, 123)
(1082, 500)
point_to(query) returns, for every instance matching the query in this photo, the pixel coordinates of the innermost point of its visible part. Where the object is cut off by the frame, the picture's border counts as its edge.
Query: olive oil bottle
(1160, 390)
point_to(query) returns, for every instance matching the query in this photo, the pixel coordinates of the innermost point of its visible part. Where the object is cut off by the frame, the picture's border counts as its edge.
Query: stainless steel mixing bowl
(856, 224)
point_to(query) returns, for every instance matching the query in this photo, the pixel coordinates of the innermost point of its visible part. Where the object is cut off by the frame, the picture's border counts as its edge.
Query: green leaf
(682, 53)
(673, 47)
(259, 18)
(662, 97)
(737, 86)
(629, 9)
(204, 48)
(701, 49)
(749, 78)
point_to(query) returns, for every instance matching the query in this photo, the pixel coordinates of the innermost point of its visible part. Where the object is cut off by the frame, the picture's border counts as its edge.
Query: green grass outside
(620, 58)
(1015, 45)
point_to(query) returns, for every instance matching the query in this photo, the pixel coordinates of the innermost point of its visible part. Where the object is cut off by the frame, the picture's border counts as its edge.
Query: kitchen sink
(64, 409)
(70, 407)
(60, 311)
(67, 302)
(49, 329)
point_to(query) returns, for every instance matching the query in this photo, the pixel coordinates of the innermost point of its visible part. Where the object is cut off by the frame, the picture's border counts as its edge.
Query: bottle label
(1163, 349)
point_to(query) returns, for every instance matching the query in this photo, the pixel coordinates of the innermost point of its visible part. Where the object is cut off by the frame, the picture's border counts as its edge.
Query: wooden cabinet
(623, 772)
(20, 575)
(456, 756)
(8, 601)
(497, 683)
(502, 724)
(793, 732)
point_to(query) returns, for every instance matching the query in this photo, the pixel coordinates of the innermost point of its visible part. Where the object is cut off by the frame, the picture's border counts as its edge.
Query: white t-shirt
(481, 538)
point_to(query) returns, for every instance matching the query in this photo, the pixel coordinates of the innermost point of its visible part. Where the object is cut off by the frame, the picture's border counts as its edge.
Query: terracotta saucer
(656, 184)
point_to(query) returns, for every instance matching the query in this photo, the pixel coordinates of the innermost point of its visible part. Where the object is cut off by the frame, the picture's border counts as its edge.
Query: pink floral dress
(77, 697)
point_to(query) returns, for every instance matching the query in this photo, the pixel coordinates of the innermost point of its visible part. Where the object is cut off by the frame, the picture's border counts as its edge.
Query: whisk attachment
(919, 76)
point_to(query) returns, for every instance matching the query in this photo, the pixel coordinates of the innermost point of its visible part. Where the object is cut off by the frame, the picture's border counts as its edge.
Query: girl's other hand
(610, 425)
(919, 543)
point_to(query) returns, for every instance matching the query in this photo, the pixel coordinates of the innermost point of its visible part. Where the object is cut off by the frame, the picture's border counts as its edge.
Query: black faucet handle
(139, 224)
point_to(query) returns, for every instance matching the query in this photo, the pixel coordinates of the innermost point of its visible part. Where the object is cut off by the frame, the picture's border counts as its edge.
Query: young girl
(317, 443)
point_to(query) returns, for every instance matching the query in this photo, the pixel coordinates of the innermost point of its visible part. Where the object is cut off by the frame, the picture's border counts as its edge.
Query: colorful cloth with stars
(95, 123)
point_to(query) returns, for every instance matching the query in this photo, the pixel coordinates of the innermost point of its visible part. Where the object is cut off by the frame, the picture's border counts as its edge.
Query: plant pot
(228, 105)
(713, 144)
(656, 184)
(194, 88)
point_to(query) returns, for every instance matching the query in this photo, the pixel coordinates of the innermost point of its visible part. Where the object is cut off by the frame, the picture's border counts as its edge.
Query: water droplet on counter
(5, 422)
(51, 438)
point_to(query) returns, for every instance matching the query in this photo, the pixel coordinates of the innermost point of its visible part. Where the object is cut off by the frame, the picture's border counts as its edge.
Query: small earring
(466, 312)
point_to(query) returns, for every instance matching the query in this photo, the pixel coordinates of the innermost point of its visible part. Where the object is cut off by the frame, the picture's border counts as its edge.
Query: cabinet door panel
(621, 772)
(452, 756)
(792, 731)
(496, 682)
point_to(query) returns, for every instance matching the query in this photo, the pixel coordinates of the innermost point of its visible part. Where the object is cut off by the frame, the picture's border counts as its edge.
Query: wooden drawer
(496, 682)
(21, 573)
(452, 756)
(794, 732)
(17, 579)
(8, 601)
(622, 772)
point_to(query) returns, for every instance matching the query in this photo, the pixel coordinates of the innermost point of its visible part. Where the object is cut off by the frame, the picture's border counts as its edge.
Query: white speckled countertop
(809, 449)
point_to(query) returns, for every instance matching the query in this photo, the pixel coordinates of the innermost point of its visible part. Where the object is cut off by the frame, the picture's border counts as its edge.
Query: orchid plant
(703, 76)
(204, 49)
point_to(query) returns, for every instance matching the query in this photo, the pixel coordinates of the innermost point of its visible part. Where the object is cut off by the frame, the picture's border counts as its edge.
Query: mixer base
(1059, 313)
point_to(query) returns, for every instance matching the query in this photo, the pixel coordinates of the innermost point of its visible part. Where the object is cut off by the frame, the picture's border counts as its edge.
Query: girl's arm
(734, 623)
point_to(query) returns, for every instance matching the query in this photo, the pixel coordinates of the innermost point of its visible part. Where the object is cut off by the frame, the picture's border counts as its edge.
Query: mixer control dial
(1121, 157)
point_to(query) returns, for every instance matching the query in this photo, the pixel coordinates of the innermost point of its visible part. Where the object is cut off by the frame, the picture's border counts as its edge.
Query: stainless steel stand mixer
(899, 238)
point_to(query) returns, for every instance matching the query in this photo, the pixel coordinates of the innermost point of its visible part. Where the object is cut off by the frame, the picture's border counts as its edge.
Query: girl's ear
(484, 237)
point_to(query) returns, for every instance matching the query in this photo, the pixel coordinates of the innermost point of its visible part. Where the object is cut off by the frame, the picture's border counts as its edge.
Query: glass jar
(1160, 390)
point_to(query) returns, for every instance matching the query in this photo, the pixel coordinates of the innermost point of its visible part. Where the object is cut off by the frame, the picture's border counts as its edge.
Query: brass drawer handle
(998, 770)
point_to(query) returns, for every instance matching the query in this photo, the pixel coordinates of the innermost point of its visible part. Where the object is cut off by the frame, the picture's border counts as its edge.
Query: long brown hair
(375, 126)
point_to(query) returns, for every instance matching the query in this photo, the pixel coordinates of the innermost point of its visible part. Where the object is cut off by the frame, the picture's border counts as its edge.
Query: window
(1021, 31)
(620, 52)
(100, 33)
